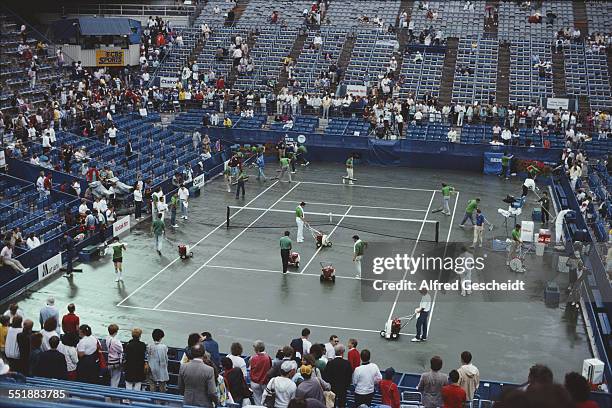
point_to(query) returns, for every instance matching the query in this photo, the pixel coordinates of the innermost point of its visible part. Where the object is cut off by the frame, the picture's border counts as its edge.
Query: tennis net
(391, 227)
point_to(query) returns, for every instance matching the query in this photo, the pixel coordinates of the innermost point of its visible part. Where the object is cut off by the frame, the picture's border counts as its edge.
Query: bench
(90, 252)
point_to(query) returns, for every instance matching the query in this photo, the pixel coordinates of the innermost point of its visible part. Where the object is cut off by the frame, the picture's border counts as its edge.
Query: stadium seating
(452, 18)
(423, 77)
(480, 55)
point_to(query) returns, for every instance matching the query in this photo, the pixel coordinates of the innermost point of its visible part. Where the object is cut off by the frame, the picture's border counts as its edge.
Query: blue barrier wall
(405, 152)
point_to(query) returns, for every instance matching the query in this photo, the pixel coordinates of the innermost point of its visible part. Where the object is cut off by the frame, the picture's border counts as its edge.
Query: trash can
(539, 248)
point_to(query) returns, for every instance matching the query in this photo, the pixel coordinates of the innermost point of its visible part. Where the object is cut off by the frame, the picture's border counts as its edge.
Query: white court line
(450, 229)
(226, 245)
(416, 244)
(361, 217)
(355, 206)
(193, 246)
(321, 247)
(362, 186)
(253, 319)
(237, 268)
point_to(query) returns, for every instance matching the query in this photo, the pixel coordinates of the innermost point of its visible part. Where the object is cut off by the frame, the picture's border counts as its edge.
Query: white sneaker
(175, 226)
(117, 279)
(416, 340)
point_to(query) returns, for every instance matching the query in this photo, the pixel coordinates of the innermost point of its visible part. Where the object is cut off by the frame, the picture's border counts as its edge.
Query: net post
(437, 231)
(227, 218)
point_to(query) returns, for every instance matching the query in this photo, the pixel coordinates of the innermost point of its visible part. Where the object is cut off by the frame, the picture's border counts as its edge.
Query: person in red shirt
(70, 321)
(353, 354)
(388, 389)
(452, 394)
(579, 390)
(260, 363)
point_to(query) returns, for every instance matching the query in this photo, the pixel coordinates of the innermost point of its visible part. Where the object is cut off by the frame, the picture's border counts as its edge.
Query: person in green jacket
(285, 248)
(241, 178)
(285, 163)
(118, 248)
(158, 228)
(506, 162)
(469, 211)
(446, 195)
(174, 203)
(358, 250)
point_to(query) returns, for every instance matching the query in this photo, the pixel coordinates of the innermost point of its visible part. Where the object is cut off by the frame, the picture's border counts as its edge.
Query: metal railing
(132, 9)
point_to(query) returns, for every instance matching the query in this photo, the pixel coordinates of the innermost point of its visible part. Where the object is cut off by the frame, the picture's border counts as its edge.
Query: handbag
(270, 400)
(330, 399)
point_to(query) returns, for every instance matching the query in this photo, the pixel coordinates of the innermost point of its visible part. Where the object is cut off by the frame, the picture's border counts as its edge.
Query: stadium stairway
(345, 58)
(502, 93)
(402, 34)
(448, 70)
(295, 52)
(558, 69)
(609, 54)
(580, 17)
(490, 28)
(233, 74)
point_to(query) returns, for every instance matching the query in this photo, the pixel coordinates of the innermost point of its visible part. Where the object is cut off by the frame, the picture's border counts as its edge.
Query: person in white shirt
(115, 355)
(234, 355)
(529, 184)
(423, 311)
(137, 201)
(32, 241)
(68, 348)
(452, 135)
(112, 135)
(365, 378)
(40, 184)
(6, 256)
(183, 194)
(282, 386)
(330, 353)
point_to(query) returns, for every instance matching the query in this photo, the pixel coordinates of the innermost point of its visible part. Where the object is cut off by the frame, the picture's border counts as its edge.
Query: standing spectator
(135, 351)
(285, 354)
(35, 351)
(158, 362)
(47, 311)
(212, 347)
(24, 342)
(452, 394)
(235, 382)
(353, 354)
(431, 383)
(68, 348)
(469, 376)
(301, 345)
(365, 378)
(310, 387)
(329, 347)
(4, 326)
(49, 330)
(52, 363)
(389, 390)
(70, 321)
(88, 369)
(282, 387)
(339, 374)
(260, 364)
(11, 347)
(579, 389)
(13, 311)
(137, 201)
(235, 356)
(183, 194)
(115, 355)
(197, 380)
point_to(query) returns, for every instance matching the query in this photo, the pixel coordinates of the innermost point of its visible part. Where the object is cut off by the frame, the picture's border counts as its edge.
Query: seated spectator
(6, 258)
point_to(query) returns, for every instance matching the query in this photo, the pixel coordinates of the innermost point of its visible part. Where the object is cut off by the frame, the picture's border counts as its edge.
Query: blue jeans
(467, 216)
(260, 173)
(421, 325)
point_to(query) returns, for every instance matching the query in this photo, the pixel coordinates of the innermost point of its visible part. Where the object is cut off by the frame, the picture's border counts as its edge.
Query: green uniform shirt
(285, 243)
(301, 149)
(446, 191)
(299, 211)
(242, 175)
(158, 227)
(117, 251)
(284, 161)
(472, 204)
(359, 246)
(505, 160)
(349, 163)
(516, 235)
(174, 201)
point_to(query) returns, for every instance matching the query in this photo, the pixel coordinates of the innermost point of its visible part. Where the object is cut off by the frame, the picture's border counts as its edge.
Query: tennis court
(233, 286)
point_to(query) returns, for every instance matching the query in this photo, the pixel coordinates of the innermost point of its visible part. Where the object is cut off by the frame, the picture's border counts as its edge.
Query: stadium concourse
(147, 183)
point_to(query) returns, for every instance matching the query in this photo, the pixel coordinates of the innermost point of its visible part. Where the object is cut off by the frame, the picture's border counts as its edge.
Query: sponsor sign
(357, 90)
(199, 181)
(49, 267)
(557, 103)
(167, 82)
(121, 225)
(110, 58)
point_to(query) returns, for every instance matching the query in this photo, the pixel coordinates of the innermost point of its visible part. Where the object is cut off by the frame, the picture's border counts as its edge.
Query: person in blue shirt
(261, 164)
(212, 347)
(479, 228)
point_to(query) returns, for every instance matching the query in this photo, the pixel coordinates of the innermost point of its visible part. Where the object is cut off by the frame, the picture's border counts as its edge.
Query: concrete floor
(233, 287)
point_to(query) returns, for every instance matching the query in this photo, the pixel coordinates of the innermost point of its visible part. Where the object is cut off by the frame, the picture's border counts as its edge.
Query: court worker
(423, 311)
(300, 220)
(285, 248)
(358, 249)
